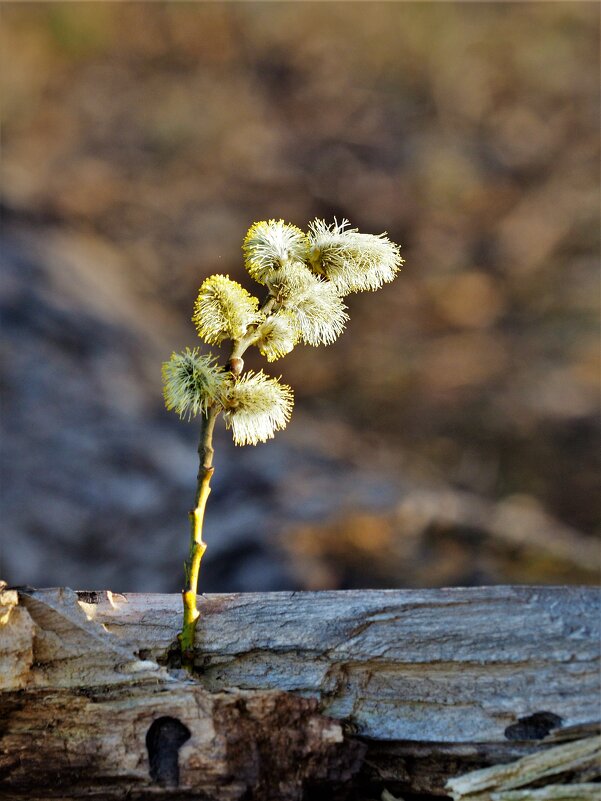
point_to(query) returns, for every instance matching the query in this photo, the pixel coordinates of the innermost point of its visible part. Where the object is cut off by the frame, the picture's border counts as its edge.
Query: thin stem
(240, 346)
(197, 544)
(269, 303)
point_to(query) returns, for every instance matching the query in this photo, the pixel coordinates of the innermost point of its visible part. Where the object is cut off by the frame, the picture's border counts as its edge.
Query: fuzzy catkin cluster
(306, 277)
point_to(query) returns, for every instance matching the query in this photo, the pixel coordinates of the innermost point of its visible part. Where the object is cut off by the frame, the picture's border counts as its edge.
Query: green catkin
(223, 310)
(352, 261)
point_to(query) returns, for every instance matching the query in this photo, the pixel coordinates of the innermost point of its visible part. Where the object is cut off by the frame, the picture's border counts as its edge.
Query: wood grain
(82, 717)
(353, 691)
(450, 666)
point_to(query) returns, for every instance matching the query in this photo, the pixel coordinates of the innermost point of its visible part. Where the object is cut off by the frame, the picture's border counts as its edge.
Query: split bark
(579, 759)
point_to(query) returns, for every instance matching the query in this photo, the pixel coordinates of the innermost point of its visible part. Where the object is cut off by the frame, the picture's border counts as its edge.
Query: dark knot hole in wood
(533, 727)
(163, 740)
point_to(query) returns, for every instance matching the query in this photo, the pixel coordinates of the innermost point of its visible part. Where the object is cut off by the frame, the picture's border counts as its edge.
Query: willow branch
(240, 346)
(197, 544)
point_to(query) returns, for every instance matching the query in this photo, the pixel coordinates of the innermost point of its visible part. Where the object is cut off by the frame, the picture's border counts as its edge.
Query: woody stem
(197, 544)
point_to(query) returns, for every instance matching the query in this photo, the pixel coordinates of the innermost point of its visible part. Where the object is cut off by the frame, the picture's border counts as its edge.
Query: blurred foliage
(467, 131)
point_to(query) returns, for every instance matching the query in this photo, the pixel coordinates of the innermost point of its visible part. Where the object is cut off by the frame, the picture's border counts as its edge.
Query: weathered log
(82, 717)
(435, 682)
(449, 666)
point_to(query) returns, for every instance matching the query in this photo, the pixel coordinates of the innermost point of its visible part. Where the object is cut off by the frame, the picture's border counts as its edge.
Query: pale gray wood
(431, 680)
(451, 666)
(81, 716)
(553, 792)
(576, 759)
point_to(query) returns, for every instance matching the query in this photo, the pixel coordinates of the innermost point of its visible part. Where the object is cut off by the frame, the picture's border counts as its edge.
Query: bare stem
(240, 346)
(197, 544)
(268, 305)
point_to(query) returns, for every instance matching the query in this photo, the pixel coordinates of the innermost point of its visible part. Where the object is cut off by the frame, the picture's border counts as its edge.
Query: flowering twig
(306, 277)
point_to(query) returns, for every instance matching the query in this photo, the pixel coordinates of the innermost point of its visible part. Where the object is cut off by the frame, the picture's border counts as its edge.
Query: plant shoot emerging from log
(306, 277)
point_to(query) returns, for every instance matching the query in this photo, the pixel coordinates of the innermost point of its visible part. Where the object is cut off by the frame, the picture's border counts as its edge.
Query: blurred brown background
(450, 436)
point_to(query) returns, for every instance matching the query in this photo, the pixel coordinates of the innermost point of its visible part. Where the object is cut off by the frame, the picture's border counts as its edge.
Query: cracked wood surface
(434, 683)
(81, 716)
(450, 666)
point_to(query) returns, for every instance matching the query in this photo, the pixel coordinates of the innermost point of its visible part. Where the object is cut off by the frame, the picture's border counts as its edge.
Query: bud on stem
(235, 366)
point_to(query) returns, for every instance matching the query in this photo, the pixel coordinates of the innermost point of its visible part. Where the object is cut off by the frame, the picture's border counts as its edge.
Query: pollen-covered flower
(277, 335)
(270, 245)
(223, 310)
(287, 278)
(256, 406)
(192, 382)
(317, 308)
(353, 262)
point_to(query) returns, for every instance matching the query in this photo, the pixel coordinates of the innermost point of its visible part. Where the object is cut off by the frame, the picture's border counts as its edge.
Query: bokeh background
(450, 436)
